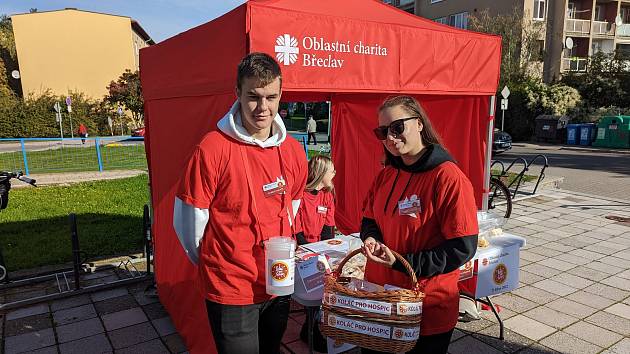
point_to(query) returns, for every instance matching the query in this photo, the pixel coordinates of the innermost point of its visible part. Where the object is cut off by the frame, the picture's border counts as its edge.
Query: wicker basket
(387, 321)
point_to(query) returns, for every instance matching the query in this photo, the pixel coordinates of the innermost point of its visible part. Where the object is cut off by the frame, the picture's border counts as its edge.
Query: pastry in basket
(483, 242)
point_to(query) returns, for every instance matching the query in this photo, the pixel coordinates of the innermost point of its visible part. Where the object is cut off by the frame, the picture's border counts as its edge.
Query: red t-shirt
(447, 210)
(316, 210)
(231, 256)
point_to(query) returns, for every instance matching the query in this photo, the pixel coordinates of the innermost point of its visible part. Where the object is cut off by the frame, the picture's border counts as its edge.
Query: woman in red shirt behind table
(316, 219)
(421, 205)
(316, 215)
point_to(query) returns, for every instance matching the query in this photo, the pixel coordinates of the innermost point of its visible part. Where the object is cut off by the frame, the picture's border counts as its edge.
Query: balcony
(603, 28)
(577, 26)
(623, 30)
(574, 64)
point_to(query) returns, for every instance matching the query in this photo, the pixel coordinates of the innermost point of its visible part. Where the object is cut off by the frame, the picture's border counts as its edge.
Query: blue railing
(50, 155)
(302, 139)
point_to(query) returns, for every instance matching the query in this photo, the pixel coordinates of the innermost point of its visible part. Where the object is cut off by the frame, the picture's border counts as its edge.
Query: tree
(8, 58)
(605, 84)
(127, 92)
(520, 42)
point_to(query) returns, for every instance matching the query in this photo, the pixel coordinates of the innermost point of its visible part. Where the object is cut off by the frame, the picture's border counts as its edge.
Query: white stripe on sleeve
(189, 223)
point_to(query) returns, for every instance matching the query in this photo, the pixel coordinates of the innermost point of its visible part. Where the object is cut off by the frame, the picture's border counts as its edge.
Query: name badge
(409, 206)
(274, 188)
(322, 209)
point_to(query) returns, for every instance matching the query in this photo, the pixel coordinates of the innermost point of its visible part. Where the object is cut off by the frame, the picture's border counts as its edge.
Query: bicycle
(5, 187)
(499, 198)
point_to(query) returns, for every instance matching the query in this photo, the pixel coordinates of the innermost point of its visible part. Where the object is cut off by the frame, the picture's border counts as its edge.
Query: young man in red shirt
(242, 186)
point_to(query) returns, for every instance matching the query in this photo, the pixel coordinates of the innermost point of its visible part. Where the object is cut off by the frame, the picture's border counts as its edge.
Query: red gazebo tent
(353, 53)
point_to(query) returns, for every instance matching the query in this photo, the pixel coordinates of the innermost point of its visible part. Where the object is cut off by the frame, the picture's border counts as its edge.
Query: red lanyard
(250, 186)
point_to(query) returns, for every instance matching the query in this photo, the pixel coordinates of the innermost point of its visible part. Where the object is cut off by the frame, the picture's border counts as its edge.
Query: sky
(161, 19)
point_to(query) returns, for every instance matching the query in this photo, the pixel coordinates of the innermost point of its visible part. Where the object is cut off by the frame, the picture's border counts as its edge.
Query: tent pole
(488, 161)
(329, 119)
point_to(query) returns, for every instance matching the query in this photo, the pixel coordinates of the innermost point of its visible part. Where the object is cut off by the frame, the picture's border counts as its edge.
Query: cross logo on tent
(287, 49)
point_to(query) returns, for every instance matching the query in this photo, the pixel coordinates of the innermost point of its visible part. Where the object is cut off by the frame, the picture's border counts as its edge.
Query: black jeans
(313, 136)
(434, 344)
(249, 329)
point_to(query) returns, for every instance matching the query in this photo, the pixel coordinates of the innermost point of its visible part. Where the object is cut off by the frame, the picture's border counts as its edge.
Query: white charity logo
(287, 49)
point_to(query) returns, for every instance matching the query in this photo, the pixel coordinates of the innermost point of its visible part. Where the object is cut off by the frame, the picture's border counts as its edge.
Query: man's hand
(378, 252)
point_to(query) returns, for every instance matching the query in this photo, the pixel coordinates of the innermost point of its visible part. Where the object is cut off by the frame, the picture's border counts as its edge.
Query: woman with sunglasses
(422, 206)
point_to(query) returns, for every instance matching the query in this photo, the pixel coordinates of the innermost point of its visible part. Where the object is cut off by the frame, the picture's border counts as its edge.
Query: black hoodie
(448, 256)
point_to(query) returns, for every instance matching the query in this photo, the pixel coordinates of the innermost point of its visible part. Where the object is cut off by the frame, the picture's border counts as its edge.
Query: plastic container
(614, 132)
(573, 134)
(280, 265)
(587, 133)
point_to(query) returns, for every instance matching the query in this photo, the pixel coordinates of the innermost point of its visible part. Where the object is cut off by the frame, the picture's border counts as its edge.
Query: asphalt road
(596, 171)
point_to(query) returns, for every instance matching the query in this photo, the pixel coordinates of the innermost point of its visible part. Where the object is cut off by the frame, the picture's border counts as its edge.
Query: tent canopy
(353, 53)
(373, 48)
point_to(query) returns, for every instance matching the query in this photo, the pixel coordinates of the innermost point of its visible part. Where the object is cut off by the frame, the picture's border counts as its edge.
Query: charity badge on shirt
(409, 206)
(274, 188)
(322, 209)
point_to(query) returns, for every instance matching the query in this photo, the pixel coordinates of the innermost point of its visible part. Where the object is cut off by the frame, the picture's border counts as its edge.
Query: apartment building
(73, 50)
(406, 5)
(574, 29)
(580, 28)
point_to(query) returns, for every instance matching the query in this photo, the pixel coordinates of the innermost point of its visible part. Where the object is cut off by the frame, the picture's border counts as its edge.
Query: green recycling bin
(614, 132)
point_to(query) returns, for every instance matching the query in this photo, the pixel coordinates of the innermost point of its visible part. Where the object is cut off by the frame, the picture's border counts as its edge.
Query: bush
(532, 98)
(584, 114)
(35, 116)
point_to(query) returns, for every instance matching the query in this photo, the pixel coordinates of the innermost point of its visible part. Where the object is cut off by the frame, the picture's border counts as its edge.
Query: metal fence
(51, 155)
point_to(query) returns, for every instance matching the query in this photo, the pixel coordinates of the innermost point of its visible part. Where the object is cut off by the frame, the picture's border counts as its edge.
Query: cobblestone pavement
(597, 171)
(573, 296)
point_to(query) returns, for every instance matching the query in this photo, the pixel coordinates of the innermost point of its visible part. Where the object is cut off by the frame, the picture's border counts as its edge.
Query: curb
(552, 147)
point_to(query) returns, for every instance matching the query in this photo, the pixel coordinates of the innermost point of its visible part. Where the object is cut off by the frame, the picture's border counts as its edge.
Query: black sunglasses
(396, 127)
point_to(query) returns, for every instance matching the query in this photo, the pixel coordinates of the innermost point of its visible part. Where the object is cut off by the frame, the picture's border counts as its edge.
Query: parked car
(501, 142)
(138, 132)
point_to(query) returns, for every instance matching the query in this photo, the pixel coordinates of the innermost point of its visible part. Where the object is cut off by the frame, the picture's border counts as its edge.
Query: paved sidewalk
(67, 178)
(574, 296)
(123, 320)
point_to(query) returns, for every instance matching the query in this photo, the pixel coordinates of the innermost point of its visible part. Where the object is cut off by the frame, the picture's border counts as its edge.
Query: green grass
(75, 159)
(512, 176)
(35, 231)
(312, 153)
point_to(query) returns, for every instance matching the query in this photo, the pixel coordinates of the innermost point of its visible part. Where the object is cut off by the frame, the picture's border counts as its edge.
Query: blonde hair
(317, 168)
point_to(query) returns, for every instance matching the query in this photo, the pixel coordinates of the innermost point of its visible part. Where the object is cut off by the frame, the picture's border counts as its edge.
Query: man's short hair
(259, 66)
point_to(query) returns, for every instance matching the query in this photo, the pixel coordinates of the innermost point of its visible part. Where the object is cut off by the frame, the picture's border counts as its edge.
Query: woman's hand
(378, 252)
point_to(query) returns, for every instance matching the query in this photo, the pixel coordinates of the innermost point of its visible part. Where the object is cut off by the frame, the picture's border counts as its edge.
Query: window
(599, 13)
(571, 10)
(459, 20)
(539, 10)
(625, 15)
(434, 1)
(596, 47)
(388, 2)
(442, 20)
